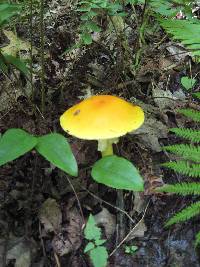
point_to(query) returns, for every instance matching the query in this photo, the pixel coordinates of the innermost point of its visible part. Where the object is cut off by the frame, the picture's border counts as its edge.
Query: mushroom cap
(102, 117)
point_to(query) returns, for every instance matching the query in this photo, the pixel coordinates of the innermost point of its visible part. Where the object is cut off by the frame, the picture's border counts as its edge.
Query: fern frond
(184, 167)
(185, 214)
(181, 188)
(190, 113)
(164, 8)
(187, 31)
(197, 239)
(187, 151)
(190, 134)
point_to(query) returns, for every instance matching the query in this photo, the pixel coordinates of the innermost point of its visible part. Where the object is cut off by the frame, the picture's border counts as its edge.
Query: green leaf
(99, 256)
(14, 143)
(7, 11)
(89, 15)
(187, 82)
(99, 242)
(118, 173)
(55, 148)
(17, 63)
(197, 239)
(197, 95)
(91, 26)
(91, 231)
(88, 247)
(131, 249)
(87, 38)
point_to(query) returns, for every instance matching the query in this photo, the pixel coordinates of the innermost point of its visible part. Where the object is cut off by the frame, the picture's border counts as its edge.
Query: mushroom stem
(105, 146)
(108, 151)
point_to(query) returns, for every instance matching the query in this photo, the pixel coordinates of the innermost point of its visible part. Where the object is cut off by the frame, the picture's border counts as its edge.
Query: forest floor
(30, 184)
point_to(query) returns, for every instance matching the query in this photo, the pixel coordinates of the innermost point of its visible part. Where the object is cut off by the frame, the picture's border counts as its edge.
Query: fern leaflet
(184, 167)
(187, 31)
(187, 151)
(181, 188)
(190, 134)
(190, 113)
(185, 214)
(197, 239)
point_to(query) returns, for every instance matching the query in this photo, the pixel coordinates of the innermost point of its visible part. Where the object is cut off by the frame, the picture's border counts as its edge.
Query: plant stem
(42, 55)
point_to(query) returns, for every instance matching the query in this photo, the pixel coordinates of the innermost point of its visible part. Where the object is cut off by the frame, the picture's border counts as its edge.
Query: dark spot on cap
(76, 112)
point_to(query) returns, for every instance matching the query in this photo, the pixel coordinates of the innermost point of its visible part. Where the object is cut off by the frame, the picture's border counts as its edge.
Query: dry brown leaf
(50, 215)
(22, 250)
(107, 220)
(71, 238)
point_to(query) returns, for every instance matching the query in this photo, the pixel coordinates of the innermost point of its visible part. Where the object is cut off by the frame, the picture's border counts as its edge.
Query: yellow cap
(102, 117)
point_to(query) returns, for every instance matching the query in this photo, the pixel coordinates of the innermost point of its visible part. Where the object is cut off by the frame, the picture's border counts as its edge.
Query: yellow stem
(108, 150)
(105, 146)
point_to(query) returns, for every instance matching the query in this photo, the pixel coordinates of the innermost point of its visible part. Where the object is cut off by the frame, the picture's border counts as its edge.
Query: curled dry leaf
(107, 220)
(71, 237)
(50, 216)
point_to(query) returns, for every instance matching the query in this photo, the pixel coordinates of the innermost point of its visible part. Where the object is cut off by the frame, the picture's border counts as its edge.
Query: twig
(132, 230)
(31, 50)
(109, 204)
(78, 201)
(57, 260)
(41, 240)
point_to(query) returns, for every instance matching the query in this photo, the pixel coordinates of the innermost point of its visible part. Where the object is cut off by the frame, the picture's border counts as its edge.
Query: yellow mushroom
(103, 118)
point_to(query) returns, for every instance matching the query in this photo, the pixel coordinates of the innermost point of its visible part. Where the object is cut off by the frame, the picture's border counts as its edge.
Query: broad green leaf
(17, 63)
(91, 231)
(99, 256)
(14, 143)
(88, 247)
(55, 148)
(118, 173)
(187, 82)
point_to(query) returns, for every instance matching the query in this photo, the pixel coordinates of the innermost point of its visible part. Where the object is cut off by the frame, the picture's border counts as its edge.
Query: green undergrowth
(187, 164)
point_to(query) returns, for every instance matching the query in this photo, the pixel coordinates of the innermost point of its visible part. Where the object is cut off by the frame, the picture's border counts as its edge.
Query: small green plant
(188, 165)
(7, 11)
(188, 83)
(131, 249)
(91, 9)
(54, 147)
(105, 118)
(95, 247)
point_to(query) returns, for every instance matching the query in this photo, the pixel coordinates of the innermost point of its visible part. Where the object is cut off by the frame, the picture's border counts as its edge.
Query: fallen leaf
(22, 251)
(15, 45)
(107, 220)
(149, 134)
(138, 202)
(71, 237)
(166, 99)
(50, 216)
